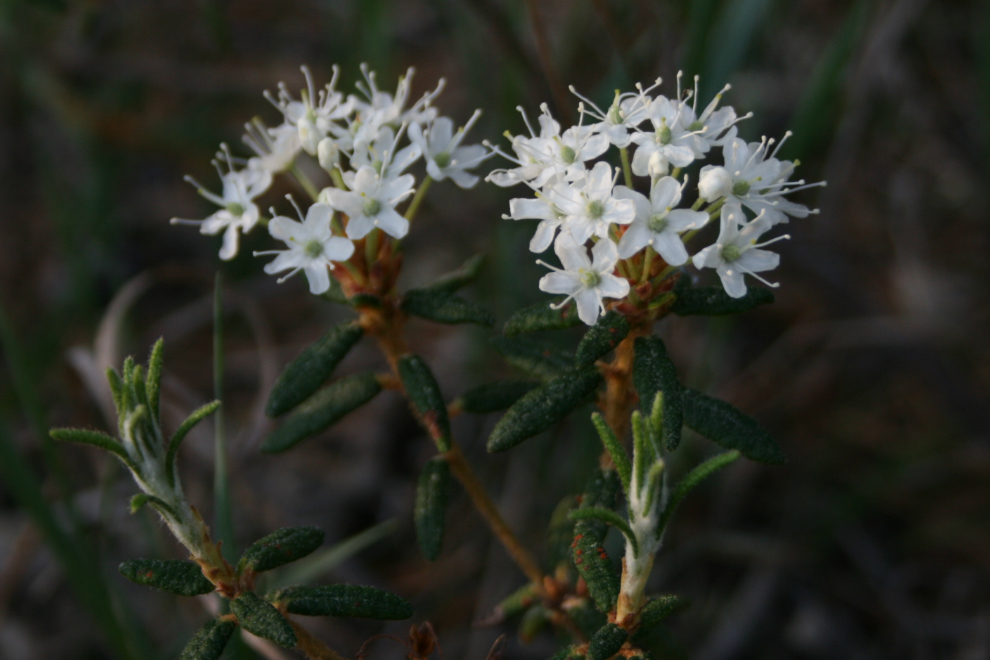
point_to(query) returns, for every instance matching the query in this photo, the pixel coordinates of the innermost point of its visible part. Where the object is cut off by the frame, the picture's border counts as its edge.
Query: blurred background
(872, 542)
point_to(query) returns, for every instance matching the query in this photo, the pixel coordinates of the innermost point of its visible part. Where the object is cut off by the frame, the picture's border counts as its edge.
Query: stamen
(298, 210)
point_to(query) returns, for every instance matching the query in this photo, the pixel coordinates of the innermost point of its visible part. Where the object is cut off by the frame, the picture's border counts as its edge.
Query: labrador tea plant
(623, 251)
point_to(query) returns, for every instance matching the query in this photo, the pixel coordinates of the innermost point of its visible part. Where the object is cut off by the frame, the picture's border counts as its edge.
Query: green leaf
(543, 407)
(541, 316)
(689, 482)
(182, 578)
(335, 293)
(533, 622)
(455, 279)
(281, 547)
(615, 449)
(180, 433)
(153, 384)
(590, 557)
(342, 600)
(323, 409)
(492, 397)
(443, 307)
(95, 438)
(654, 372)
(427, 401)
(210, 641)
(606, 642)
(560, 532)
(655, 612)
(725, 425)
(601, 339)
(608, 517)
(532, 357)
(359, 300)
(432, 494)
(141, 499)
(517, 602)
(587, 617)
(310, 370)
(262, 619)
(714, 301)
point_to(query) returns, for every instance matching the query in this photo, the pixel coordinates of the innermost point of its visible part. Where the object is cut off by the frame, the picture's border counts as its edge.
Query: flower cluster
(358, 140)
(579, 204)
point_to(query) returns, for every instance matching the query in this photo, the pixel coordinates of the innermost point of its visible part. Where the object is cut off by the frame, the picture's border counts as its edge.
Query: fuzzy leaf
(533, 622)
(601, 339)
(587, 617)
(342, 600)
(180, 433)
(492, 397)
(608, 517)
(153, 384)
(714, 301)
(689, 482)
(543, 407)
(141, 499)
(443, 307)
(210, 641)
(541, 316)
(323, 409)
(359, 300)
(95, 438)
(725, 425)
(532, 357)
(281, 547)
(654, 372)
(306, 373)
(517, 602)
(432, 494)
(455, 279)
(262, 619)
(590, 557)
(606, 642)
(182, 578)
(615, 449)
(655, 612)
(426, 399)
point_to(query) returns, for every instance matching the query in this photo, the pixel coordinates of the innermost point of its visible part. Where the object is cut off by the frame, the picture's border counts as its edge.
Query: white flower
(276, 147)
(541, 209)
(656, 224)
(627, 112)
(238, 212)
(534, 154)
(590, 208)
(314, 116)
(312, 247)
(382, 154)
(758, 180)
(670, 137)
(714, 183)
(586, 281)
(711, 128)
(371, 201)
(383, 108)
(736, 251)
(445, 157)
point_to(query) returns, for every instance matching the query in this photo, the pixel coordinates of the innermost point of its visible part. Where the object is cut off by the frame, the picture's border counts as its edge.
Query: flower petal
(392, 223)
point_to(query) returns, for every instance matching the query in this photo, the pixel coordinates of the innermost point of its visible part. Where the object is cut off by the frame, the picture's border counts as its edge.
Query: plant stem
(626, 169)
(418, 198)
(371, 247)
(221, 487)
(617, 403)
(338, 178)
(304, 182)
(647, 263)
(310, 646)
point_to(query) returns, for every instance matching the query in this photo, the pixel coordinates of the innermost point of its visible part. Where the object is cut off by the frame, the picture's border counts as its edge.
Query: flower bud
(715, 183)
(309, 135)
(328, 153)
(658, 166)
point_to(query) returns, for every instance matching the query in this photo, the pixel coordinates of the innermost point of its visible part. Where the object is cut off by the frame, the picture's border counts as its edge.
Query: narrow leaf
(310, 370)
(689, 482)
(432, 494)
(615, 449)
(606, 642)
(342, 600)
(532, 357)
(141, 499)
(533, 622)
(655, 612)
(359, 300)
(654, 372)
(541, 316)
(210, 641)
(261, 618)
(492, 397)
(443, 307)
(560, 532)
(182, 578)
(589, 556)
(714, 301)
(324, 408)
(725, 425)
(517, 602)
(543, 407)
(195, 418)
(281, 547)
(608, 517)
(601, 339)
(95, 438)
(153, 384)
(455, 279)
(427, 401)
